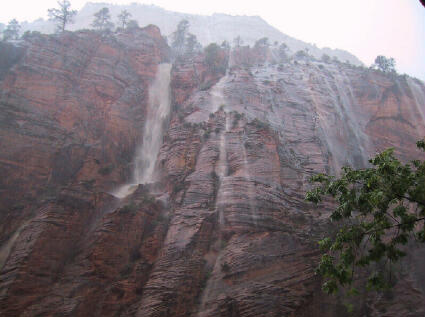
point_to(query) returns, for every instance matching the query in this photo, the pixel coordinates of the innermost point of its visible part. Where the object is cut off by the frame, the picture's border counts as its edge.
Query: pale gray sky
(366, 28)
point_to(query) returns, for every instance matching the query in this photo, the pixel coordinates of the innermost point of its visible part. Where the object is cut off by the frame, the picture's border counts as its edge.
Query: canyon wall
(224, 230)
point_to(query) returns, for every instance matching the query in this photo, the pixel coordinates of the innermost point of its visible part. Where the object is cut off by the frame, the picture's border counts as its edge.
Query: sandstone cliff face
(71, 112)
(230, 233)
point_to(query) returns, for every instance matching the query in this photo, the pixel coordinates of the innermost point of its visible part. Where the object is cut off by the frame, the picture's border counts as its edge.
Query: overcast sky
(366, 28)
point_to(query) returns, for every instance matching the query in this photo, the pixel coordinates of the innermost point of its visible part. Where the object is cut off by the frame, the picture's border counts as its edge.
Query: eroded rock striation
(225, 230)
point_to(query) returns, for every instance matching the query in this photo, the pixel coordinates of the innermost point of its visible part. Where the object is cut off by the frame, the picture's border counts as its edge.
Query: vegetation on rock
(184, 42)
(385, 64)
(12, 31)
(379, 210)
(62, 16)
(102, 20)
(123, 18)
(215, 58)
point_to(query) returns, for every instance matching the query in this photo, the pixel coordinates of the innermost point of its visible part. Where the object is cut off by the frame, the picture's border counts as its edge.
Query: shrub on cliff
(192, 45)
(260, 124)
(302, 54)
(326, 58)
(12, 31)
(282, 51)
(132, 24)
(262, 43)
(384, 64)
(379, 210)
(215, 58)
(9, 56)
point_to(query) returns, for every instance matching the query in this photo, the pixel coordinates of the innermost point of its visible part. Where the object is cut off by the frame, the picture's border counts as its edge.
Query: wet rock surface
(225, 230)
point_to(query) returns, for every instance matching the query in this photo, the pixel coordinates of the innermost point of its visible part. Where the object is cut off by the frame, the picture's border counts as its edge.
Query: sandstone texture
(225, 231)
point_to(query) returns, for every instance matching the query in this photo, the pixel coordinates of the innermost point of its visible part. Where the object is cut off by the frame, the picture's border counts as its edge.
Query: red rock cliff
(231, 234)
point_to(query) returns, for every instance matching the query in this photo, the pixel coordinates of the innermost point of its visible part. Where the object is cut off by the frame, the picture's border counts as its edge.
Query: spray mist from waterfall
(157, 115)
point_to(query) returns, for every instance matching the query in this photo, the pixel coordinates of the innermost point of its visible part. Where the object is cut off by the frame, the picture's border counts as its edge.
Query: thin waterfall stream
(157, 114)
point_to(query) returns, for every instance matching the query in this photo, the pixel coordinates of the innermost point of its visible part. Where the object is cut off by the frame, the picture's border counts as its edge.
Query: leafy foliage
(326, 58)
(132, 24)
(384, 64)
(192, 44)
(215, 58)
(102, 20)
(379, 209)
(282, 51)
(123, 18)
(9, 56)
(179, 37)
(262, 43)
(184, 42)
(12, 30)
(62, 16)
(260, 124)
(302, 54)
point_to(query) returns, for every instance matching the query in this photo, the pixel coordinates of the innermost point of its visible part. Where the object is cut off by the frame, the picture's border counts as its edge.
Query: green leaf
(377, 210)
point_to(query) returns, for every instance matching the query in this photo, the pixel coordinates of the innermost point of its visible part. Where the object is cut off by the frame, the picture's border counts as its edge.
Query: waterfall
(216, 94)
(222, 169)
(419, 98)
(335, 107)
(8, 244)
(251, 191)
(157, 114)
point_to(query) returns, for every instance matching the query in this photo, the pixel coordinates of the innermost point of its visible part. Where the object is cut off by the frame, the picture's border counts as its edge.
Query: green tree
(132, 24)
(179, 37)
(123, 18)
(262, 43)
(192, 44)
(225, 45)
(301, 54)
(326, 58)
(379, 210)
(387, 65)
(102, 20)
(215, 58)
(62, 16)
(12, 30)
(282, 51)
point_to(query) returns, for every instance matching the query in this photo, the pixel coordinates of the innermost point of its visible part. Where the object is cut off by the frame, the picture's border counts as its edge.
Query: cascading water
(419, 98)
(158, 112)
(251, 193)
(341, 102)
(216, 93)
(222, 168)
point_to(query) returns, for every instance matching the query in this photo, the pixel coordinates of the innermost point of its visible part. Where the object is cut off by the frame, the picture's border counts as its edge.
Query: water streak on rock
(419, 97)
(157, 115)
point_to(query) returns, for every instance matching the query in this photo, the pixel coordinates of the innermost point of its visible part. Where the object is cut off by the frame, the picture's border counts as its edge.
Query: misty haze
(157, 162)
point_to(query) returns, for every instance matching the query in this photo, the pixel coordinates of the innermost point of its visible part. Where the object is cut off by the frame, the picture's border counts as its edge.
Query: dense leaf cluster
(385, 64)
(379, 209)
